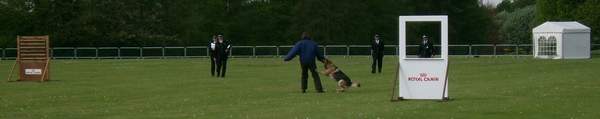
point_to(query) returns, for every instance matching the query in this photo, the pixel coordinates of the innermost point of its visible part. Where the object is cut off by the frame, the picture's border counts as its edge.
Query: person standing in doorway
(308, 50)
(377, 52)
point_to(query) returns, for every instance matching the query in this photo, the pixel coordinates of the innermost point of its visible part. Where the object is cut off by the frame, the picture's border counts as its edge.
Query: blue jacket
(308, 51)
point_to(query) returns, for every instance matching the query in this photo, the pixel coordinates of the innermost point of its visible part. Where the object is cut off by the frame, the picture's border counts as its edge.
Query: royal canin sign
(423, 77)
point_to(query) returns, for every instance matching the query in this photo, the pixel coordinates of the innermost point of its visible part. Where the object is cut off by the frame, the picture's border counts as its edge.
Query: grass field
(503, 87)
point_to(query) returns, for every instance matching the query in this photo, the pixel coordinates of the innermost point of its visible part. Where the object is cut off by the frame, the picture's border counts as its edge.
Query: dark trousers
(212, 66)
(221, 67)
(377, 63)
(315, 75)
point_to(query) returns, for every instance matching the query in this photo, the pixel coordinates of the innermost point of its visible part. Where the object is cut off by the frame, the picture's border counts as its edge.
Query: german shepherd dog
(343, 81)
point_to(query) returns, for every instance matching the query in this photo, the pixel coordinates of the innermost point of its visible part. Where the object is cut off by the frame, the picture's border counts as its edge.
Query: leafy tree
(516, 26)
(583, 11)
(589, 14)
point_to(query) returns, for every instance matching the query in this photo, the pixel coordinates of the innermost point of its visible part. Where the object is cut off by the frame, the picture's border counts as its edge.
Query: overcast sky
(494, 2)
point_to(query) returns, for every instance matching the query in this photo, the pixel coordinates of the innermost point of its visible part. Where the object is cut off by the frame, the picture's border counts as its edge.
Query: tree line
(121, 23)
(516, 19)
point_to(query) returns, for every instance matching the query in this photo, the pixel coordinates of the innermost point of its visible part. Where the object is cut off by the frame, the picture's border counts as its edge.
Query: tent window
(547, 47)
(541, 43)
(552, 46)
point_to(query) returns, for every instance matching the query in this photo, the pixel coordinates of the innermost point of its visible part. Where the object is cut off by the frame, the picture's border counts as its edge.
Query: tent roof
(561, 27)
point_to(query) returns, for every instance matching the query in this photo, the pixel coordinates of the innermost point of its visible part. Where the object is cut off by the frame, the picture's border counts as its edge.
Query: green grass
(504, 88)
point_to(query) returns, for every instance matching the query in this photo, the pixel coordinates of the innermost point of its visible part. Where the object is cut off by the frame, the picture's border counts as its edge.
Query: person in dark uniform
(222, 52)
(426, 48)
(308, 51)
(212, 55)
(377, 53)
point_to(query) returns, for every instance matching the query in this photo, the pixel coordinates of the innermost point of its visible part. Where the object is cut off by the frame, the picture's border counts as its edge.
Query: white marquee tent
(561, 40)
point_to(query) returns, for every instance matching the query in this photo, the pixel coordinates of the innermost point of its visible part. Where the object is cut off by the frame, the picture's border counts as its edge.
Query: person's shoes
(320, 91)
(372, 72)
(303, 91)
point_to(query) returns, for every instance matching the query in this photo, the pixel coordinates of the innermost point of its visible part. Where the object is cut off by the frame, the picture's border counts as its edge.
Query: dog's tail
(355, 84)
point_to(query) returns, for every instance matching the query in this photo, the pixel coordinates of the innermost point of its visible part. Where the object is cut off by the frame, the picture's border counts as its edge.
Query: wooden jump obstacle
(33, 58)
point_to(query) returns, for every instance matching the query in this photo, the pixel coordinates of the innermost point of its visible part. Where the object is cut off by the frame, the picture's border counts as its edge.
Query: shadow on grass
(33, 81)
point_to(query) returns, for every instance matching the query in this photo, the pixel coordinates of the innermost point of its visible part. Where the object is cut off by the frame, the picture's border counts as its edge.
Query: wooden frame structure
(33, 58)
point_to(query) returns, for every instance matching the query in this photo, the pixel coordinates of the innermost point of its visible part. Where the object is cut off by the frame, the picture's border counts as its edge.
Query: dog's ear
(327, 61)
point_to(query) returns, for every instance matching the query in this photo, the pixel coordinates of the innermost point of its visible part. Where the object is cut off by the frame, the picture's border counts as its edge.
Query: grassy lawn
(504, 87)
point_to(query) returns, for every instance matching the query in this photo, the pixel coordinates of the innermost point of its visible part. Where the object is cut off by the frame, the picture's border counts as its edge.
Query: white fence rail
(264, 51)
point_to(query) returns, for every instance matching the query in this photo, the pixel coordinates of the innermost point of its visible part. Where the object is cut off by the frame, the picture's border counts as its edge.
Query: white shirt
(212, 46)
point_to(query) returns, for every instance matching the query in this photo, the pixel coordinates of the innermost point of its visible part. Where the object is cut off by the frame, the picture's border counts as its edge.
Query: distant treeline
(114, 23)
(516, 19)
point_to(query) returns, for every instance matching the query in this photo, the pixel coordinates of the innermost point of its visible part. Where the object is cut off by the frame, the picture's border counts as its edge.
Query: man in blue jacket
(308, 51)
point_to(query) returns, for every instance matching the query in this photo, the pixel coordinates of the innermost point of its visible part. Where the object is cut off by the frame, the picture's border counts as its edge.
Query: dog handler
(308, 51)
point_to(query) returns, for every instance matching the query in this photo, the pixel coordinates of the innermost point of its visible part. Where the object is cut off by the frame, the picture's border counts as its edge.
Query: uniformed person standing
(222, 52)
(212, 54)
(426, 48)
(377, 52)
